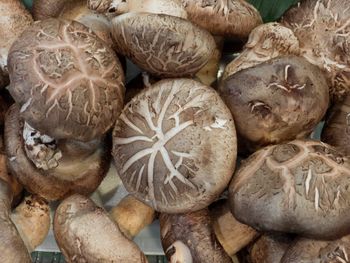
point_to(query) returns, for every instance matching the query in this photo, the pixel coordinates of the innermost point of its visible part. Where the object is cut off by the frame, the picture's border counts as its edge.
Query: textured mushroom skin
(175, 146)
(265, 42)
(322, 27)
(85, 233)
(163, 45)
(316, 251)
(68, 82)
(336, 131)
(276, 101)
(78, 171)
(299, 187)
(229, 18)
(195, 234)
(12, 246)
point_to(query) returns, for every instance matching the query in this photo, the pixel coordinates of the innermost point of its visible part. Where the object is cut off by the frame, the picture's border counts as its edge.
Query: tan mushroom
(131, 216)
(232, 235)
(323, 29)
(174, 146)
(189, 238)
(85, 233)
(304, 184)
(14, 19)
(228, 18)
(265, 42)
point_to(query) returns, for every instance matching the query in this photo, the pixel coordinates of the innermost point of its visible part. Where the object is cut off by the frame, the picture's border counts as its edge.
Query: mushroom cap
(316, 251)
(228, 18)
(304, 184)
(174, 146)
(189, 238)
(276, 101)
(76, 172)
(163, 45)
(336, 131)
(85, 233)
(323, 30)
(68, 82)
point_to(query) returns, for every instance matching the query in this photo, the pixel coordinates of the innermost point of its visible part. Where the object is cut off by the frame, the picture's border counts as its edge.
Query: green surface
(28, 3)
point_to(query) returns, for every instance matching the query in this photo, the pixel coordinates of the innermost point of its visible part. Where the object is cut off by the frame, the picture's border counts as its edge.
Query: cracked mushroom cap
(163, 45)
(68, 82)
(336, 131)
(316, 251)
(80, 170)
(276, 101)
(300, 187)
(85, 233)
(189, 238)
(228, 18)
(323, 29)
(174, 146)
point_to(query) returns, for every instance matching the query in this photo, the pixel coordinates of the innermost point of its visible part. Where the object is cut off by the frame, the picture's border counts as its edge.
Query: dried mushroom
(276, 101)
(300, 187)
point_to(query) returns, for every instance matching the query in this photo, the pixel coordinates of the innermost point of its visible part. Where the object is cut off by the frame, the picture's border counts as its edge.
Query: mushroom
(85, 233)
(317, 251)
(74, 10)
(265, 42)
(304, 184)
(131, 216)
(14, 19)
(228, 18)
(174, 146)
(336, 131)
(323, 29)
(232, 235)
(276, 101)
(189, 238)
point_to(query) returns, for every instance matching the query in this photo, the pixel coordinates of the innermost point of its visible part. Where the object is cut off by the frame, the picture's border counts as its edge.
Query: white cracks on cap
(180, 253)
(317, 199)
(40, 148)
(307, 181)
(285, 85)
(218, 124)
(26, 105)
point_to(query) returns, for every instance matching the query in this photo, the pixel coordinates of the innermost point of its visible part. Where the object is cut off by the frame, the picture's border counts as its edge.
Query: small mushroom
(317, 251)
(323, 29)
(336, 131)
(85, 233)
(131, 216)
(276, 101)
(174, 146)
(189, 238)
(232, 235)
(14, 19)
(299, 187)
(228, 18)
(265, 42)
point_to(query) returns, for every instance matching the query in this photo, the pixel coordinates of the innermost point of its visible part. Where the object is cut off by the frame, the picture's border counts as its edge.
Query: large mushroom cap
(323, 29)
(276, 101)
(162, 45)
(229, 18)
(175, 146)
(299, 187)
(68, 82)
(85, 233)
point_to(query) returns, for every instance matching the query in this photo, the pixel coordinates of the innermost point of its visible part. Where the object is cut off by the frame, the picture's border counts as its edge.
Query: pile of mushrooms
(225, 158)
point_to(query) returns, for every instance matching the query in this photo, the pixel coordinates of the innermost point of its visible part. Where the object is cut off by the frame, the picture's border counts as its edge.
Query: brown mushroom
(131, 216)
(276, 101)
(298, 187)
(228, 18)
(336, 131)
(189, 238)
(323, 29)
(265, 42)
(14, 19)
(85, 233)
(174, 146)
(232, 235)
